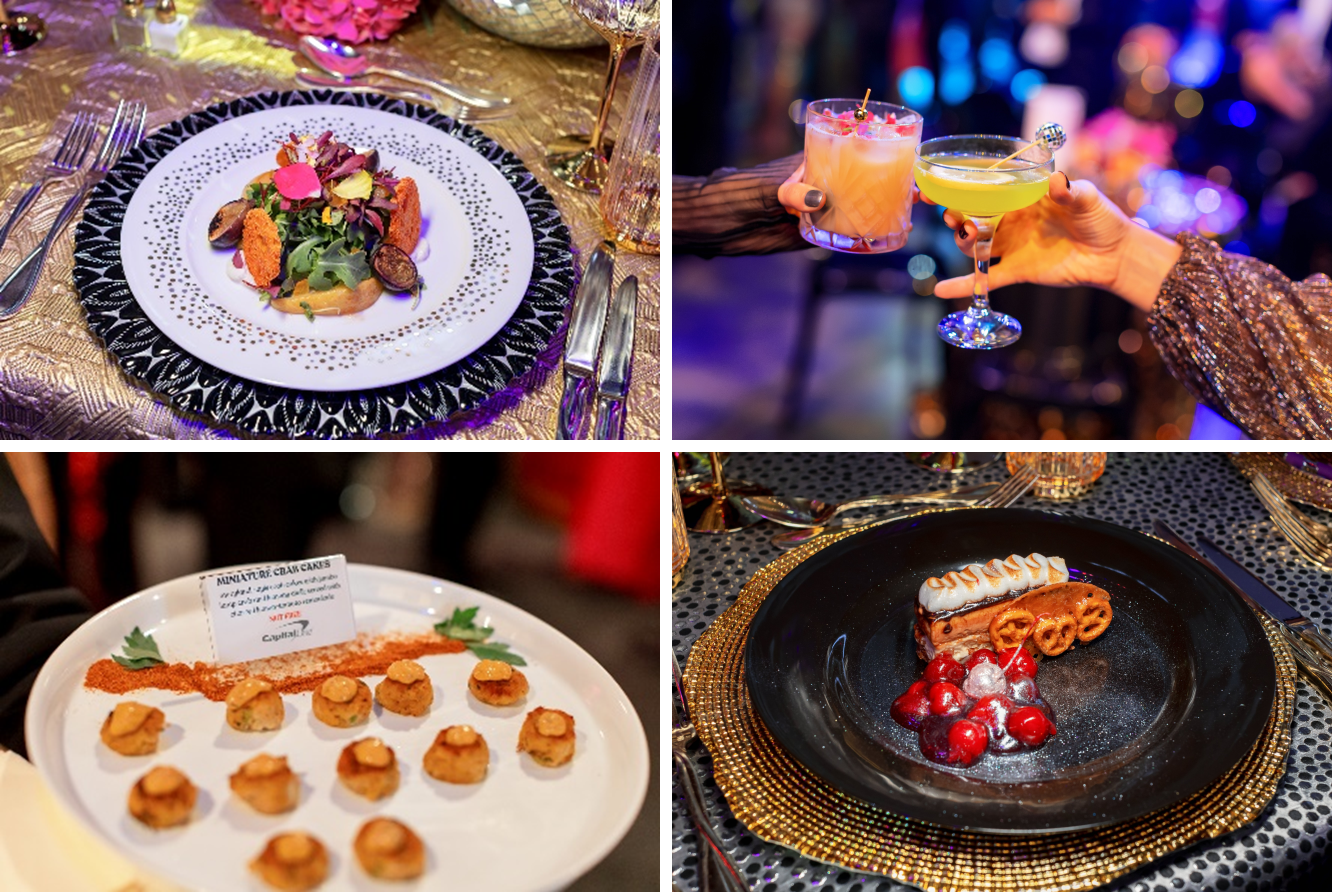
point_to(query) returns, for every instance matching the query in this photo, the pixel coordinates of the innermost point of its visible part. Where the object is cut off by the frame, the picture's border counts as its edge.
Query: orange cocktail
(864, 171)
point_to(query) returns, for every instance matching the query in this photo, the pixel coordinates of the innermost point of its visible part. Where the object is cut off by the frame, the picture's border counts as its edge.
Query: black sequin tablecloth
(1287, 847)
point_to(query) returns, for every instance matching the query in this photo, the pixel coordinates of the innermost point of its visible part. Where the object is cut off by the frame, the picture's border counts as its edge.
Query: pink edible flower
(297, 181)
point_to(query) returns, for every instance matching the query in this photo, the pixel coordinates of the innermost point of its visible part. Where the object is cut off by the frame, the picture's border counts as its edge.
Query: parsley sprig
(462, 627)
(140, 651)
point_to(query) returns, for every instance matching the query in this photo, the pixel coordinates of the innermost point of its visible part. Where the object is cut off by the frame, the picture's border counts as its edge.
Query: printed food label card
(273, 609)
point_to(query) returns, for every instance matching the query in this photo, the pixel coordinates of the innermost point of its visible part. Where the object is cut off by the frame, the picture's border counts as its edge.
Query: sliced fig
(394, 268)
(371, 159)
(225, 229)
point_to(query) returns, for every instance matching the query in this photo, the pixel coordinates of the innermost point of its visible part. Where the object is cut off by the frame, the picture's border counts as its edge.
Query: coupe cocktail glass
(950, 171)
(864, 172)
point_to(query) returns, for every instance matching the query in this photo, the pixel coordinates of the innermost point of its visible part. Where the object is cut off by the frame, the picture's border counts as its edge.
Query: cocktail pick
(1049, 134)
(861, 114)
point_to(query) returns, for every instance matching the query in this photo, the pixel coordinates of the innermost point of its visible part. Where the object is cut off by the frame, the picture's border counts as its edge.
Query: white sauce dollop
(240, 273)
(975, 582)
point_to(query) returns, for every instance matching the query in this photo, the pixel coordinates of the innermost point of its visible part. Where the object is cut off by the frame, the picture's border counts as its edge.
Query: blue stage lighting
(1025, 83)
(1242, 113)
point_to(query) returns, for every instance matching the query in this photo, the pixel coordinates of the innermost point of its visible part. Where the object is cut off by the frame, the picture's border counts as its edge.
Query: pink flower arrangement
(352, 21)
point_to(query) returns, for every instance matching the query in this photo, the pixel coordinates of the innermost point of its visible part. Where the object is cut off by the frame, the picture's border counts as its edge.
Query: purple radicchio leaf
(376, 222)
(349, 166)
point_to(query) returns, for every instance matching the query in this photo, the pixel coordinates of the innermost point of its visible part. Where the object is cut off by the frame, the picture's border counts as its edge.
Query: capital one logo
(295, 629)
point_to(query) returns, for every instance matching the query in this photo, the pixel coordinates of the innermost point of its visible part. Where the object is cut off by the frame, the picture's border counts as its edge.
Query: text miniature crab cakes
(292, 862)
(547, 736)
(496, 683)
(369, 768)
(406, 689)
(389, 850)
(459, 755)
(164, 797)
(267, 783)
(255, 705)
(342, 702)
(132, 729)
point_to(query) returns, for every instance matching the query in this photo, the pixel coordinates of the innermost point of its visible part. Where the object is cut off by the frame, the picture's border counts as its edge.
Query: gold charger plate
(782, 802)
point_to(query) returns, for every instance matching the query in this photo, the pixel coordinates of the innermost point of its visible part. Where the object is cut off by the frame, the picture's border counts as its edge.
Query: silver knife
(617, 353)
(581, 343)
(1270, 601)
(1314, 663)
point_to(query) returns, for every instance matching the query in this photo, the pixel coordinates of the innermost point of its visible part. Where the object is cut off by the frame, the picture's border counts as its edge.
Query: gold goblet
(579, 159)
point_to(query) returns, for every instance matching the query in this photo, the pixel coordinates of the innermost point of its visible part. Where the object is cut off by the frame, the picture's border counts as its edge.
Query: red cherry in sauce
(984, 655)
(945, 667)
(1024, 689)
(947, 699)
(966, 741)
(1017, 663)
(1030, 726)
(912, 708)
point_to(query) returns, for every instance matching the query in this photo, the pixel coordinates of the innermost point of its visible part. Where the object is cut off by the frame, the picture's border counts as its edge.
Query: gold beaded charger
(783, 802)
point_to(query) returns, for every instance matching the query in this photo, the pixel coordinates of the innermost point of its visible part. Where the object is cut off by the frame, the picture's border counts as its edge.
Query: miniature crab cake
(254, 705)
(342, 702)
(547, 736)
(292, 862)
(459, 755)
(389, 850)
(267, 783)
(369, 768)
(132, 729)
(497, 683)
(164, 797)
(406, 689)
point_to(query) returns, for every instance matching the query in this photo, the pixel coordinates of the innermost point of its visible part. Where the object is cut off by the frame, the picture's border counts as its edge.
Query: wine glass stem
(619, 46)
(980, 290)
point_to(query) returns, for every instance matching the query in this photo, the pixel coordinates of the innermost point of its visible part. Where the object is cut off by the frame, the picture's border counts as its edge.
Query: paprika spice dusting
(290, 673)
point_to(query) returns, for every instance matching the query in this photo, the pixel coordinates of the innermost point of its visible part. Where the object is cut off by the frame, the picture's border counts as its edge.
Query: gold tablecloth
(57, 381)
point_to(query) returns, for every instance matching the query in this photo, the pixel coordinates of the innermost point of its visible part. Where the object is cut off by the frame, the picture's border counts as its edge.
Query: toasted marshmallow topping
(976, 582)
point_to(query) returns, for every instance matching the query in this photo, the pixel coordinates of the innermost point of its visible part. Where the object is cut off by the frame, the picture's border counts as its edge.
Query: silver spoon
(794, 511)
(319, 81)
(342, 61)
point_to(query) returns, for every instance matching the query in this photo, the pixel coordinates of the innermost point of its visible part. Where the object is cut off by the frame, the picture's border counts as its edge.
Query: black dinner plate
(1172, 695)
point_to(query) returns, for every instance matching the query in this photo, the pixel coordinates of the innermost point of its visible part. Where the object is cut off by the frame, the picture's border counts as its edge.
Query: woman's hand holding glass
(1072, 236)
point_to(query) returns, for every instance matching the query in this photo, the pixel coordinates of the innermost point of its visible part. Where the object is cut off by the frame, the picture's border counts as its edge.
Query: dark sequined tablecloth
(1195, 493)
(56, 381)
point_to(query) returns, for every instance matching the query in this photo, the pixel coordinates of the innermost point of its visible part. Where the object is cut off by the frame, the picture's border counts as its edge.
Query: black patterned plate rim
(199, 388)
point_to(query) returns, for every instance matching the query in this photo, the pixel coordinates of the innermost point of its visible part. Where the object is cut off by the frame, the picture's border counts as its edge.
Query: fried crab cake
(267, 783)
(368, 768)
(132, 729)
(547, 736)
(292, 862)
(342, 702)
(459, 755)
(389, 850)
(255, 705)
(496, 683)
(164, 797)
(262, 247)
(404, 229)
(406, 689)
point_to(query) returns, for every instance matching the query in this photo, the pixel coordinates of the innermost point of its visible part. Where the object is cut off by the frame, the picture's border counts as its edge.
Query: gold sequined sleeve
(735, 211)
(1247, 341)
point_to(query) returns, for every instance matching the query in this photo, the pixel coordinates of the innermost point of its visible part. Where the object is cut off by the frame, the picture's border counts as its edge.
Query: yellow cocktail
(966, 186)
(954, 172)
(863, 169)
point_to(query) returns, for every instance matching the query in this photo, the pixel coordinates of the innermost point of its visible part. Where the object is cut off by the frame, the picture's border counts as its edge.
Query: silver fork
(67, 161)
(124, 134)
(711, 850)
(1009, 491)
(1309, 537)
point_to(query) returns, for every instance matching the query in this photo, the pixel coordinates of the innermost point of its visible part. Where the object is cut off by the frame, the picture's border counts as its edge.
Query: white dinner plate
(524, 828)
(475, 229)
